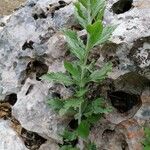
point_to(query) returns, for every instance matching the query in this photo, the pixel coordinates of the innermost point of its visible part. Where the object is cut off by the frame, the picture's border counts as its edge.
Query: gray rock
(49, 146)
(9, 140)
(27, 38)
(31, 44)
(33, 112)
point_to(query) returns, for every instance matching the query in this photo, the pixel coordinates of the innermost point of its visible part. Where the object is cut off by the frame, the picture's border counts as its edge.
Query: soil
(8, 6)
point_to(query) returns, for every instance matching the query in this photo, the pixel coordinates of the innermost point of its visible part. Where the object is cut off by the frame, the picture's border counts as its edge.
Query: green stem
(82, 86)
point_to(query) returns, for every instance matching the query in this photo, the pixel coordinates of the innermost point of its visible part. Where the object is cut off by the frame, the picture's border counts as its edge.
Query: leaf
(69, 136)
(83, 2)
(58, 77)
(81, 92)
(72, 69)
(106, 34)
(94, 32)
(83, 129)
(81, 13)
(56, 104)
(91, 146)
(101, 74)
(68, 147)
(93, 118)
(98, 106)
(97, 7)
(71, 103)
(75, 43)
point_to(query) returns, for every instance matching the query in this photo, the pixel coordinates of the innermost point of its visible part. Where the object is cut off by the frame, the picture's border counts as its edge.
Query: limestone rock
(49, 146)
(9, 140)
(33, 112)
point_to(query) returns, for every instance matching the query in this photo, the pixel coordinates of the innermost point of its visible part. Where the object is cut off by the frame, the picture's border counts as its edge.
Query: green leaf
(83, 2)
(106, 34)
(83, 129)
(147, 147)
(94, 32)
(98, 7)
(98, 106)
(81, 92)
(68, 147)
(101, 74)
(75, 43)
(81, 13)
(93, 118)
(72, 69)
(71, 103)
(58, 77)
(69, 136)
(91, 146)
(56, 104)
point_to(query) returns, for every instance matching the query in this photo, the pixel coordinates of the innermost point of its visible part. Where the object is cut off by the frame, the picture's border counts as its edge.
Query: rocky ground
(31, 44)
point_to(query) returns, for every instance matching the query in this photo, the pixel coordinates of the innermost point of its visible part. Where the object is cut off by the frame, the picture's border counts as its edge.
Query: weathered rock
(33, 112)
(130, 41)
(9, 140)
(133, 133)
(27, 38)
(31, 45)
(49, 146)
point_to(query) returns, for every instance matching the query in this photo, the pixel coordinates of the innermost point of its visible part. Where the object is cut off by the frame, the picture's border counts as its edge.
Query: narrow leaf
(81, 92)
(97, 7)
(94, 32)
(80, 13)
(75, 43)
(56, 104)
(71, 103)
(72, 69)
(58, 77)
(68, 147)
(69, 136)
(106, 34)
(101, 74)
(83, 129)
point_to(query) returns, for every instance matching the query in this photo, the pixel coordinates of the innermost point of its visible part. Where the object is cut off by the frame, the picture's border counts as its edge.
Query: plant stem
(81, 144)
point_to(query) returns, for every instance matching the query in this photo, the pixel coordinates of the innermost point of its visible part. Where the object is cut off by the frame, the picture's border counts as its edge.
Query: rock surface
(9, 140)
(31, 44)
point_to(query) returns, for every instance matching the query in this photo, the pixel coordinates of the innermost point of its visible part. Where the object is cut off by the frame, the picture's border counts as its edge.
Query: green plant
(146, 142)
(81, 72)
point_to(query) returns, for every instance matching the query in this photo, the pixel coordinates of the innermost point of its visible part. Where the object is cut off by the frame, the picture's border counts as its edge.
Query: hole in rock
(73, 124)
(29, 89)
(40, 15)
(56, 6)
(37, 68)
(11, 98)
(123, 101)
(124, 145)
(122, 6)
(107, 133)
(2, 24)
(32, 140)
(28, 45)
(77, 27)
(56, 95)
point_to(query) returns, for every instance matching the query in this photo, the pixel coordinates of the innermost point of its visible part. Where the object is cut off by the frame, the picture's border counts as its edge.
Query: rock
(9, 140)
(33, 28)
(129, 45)
(31, 44)
(133, 133)
(33, 112)
(49, 146)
